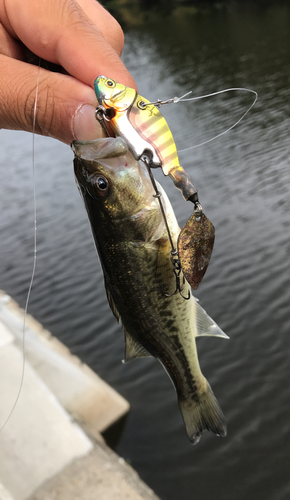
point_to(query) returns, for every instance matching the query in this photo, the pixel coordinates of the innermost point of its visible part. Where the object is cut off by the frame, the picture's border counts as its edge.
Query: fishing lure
(122, 112)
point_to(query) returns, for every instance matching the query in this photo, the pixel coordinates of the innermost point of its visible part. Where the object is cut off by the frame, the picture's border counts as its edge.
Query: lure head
(111, 94)
(139, 122)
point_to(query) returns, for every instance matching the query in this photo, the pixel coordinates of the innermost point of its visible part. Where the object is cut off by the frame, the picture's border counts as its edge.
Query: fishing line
(175, 100)
(34, 255)
(228, 129)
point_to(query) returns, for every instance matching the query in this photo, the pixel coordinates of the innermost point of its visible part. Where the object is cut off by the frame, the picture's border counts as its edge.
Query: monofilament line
(228, 129)
(34, 255)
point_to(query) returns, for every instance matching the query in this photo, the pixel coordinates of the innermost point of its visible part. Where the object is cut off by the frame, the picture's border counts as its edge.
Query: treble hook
(177, 270)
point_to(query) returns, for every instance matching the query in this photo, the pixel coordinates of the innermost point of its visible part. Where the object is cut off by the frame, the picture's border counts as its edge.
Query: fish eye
(102, 183)
(99, 186)
(110, 83)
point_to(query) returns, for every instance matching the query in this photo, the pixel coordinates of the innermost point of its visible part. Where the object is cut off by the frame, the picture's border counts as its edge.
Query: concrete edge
(90, 400)
(100, 473)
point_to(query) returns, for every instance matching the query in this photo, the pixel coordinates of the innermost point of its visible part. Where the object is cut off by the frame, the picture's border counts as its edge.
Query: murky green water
(244, 186)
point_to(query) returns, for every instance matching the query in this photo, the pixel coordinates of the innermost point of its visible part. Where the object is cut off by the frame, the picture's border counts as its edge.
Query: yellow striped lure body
(145, 130)
(122, 112)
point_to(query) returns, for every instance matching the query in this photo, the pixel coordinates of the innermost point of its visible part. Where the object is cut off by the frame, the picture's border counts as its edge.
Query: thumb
(65, 106)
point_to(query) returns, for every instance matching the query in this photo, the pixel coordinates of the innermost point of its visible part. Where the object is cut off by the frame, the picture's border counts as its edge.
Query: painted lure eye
(110, 83)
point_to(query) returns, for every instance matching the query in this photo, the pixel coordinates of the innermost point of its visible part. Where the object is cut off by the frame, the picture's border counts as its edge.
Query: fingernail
(85, 126)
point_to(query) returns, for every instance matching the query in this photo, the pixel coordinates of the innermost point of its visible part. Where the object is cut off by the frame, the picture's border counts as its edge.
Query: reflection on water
(243, 182)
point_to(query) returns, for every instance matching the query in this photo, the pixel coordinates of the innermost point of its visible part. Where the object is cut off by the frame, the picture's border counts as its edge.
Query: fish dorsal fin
(133, 349)
(112, 302)
(205, 325)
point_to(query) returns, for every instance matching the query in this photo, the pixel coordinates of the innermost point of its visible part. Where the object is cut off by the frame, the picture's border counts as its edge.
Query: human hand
(78, 35)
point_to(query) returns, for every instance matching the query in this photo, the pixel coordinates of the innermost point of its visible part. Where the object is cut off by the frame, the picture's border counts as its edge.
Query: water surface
(243, 181)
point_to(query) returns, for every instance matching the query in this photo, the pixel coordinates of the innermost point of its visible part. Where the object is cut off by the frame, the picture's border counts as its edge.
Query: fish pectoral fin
(133, 349)
(205, 325)
(112, 302)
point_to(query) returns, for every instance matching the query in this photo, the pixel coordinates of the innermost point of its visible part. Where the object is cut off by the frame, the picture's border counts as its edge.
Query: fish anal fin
(202, 413)
(133, 349)
(205, 325)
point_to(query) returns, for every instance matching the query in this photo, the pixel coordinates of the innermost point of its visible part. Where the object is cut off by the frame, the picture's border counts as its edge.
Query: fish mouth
(106, 147)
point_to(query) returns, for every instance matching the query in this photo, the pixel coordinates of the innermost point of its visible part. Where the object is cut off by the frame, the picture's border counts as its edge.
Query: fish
(135, 254)
(149, 137)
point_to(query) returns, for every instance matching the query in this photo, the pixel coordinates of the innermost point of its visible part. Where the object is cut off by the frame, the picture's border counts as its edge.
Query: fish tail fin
(202, 413)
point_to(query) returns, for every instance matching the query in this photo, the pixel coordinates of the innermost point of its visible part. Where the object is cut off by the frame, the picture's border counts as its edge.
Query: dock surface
(51, 447)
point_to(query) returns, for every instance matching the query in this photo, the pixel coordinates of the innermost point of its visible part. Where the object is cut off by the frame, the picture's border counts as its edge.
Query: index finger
(109, 26)
(61, 32)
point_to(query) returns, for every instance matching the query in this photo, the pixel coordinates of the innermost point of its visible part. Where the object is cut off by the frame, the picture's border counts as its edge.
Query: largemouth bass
(135, 254)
